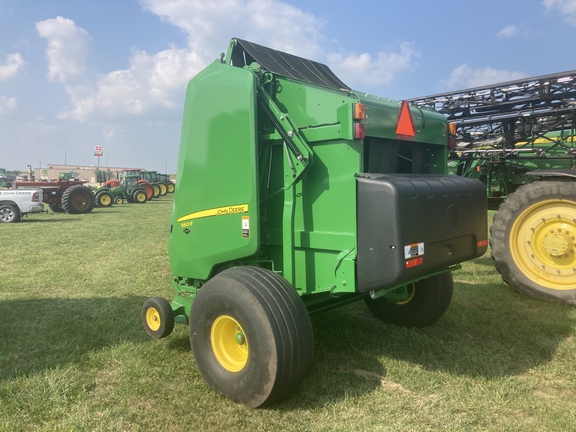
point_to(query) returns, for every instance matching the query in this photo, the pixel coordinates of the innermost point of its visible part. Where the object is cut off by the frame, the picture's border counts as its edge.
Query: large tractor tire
(429, 299)
(156, 190)
(103, 199)
(533, 240)
(171, 187)
(139, 196)
(78, 199)
(163, 189)
(9, 214)
(251, 336)
(157, 317)
(148, 189)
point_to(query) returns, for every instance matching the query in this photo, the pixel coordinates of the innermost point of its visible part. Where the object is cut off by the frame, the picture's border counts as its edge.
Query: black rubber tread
(171, 187)
(9, 214)
(98, 199)
(136, 194)
(56, 208)
(118, 200)
(156, 190)
(430, 301)
(163, 188)
(524, 197)
(277, 328)
(166, 317)
(78, 199)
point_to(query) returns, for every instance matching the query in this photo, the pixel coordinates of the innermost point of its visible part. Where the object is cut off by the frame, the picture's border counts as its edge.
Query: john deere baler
(297, 194)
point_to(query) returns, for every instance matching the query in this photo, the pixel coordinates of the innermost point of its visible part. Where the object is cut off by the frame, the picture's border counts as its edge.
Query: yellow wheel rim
(170, 188)
(105, 200)
(542, 243)
(401, 302)
(141, 196)
(153, 320)
(229, 343)
(162, 188)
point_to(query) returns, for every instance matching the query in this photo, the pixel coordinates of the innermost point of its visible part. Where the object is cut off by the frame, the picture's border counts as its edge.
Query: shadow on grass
(488, 332)
(26, 220)
(40, 334)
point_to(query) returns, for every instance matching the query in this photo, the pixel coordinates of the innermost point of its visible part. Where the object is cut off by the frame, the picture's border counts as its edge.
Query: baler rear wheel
(251, 336)
(78, 199)
(9, 214)
(533, 240)
(429, 299)
(103, 199)
(157, 317)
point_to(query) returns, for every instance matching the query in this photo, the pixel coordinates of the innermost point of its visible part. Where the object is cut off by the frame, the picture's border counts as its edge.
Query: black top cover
(288, 65)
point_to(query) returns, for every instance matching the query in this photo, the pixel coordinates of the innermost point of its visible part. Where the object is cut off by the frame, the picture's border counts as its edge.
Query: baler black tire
(268, 337)
(139, 196)
(157, 317)
(429, 300)
(9, 214)
(78, 199)
(103, 199)
(532, 240)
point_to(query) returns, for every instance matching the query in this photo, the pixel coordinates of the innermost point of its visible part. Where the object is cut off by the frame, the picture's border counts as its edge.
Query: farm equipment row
(519, 139)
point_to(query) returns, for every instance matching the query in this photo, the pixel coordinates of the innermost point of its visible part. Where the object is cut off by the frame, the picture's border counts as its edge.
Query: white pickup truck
(14, 203)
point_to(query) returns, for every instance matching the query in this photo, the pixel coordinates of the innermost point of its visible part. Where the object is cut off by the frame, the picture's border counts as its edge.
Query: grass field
(74, 355)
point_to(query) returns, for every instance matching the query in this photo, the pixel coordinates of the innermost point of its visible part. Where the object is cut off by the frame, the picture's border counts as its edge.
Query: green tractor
(129, 190)
(169, 184)
(296, 195)
(156, 179)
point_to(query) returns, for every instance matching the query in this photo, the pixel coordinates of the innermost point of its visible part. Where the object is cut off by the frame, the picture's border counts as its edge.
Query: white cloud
(7, 104)
(209, 24)
(363, 69)
(9, 70)
(566, 7)
(68, 46)
(508, 31)
(152, 81)
(465, 77)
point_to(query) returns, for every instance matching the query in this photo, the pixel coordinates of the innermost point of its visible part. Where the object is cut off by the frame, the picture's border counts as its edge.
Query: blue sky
(77, 73)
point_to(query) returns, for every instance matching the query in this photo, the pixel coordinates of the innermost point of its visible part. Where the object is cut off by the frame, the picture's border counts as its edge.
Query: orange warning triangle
(404, 124)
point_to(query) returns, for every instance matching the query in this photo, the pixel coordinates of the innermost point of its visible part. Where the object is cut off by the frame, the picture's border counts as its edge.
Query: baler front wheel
(533, 240)
(157, 317)
(429, 299)
(251, 336)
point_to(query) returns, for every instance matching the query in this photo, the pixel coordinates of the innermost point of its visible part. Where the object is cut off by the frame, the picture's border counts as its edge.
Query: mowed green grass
(74, 355)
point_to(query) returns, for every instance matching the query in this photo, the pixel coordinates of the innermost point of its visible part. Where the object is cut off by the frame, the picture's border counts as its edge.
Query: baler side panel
(215, 217)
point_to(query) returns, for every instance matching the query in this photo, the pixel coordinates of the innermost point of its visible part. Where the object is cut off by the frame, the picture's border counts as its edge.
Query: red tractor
(70, 196)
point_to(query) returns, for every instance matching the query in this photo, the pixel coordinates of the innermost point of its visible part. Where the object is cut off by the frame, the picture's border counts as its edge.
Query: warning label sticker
(246, 226)
(413, 250)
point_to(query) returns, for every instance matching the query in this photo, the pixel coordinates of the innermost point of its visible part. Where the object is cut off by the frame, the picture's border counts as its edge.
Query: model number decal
(220, 211)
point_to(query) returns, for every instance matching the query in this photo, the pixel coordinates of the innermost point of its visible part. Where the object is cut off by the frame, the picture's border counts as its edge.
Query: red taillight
(359, 131)
(482, 243)
(35, 197)
(414, 262)
(451, 142)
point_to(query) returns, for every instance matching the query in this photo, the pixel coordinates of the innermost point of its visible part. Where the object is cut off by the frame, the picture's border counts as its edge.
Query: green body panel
(217, 173)
(267, 176)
